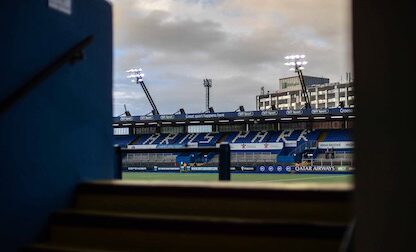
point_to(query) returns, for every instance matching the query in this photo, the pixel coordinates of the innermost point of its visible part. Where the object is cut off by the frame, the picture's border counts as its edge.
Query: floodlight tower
(137, 76)
(207, 85)
(297, 64)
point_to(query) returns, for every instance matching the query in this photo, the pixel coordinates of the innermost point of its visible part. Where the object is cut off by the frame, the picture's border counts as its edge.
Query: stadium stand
(298, 146)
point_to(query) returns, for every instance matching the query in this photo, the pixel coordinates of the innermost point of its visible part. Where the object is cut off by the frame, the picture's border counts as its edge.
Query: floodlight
(139, 70)
(297, 64)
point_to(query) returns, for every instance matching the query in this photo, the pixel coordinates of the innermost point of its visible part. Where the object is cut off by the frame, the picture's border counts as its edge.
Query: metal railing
(223, 150)
(71, 56)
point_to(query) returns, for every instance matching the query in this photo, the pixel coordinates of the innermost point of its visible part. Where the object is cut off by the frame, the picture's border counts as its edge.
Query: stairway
(155, 216)
(322, 136)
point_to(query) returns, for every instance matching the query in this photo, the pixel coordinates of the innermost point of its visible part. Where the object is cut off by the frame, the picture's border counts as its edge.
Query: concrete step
(300, 202)
(49, 247)
(150, 232)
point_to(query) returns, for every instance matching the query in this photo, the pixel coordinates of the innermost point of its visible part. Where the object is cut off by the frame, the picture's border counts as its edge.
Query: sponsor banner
(326, 169)
(126, 119)
(319, 111)
(204, 168)
(270, 113)
(256, 146)
(167, 117)
(169, 146)
(323, 168)
(208, 115)
(234, 115)
(249, 169)
(245, 114)
(267, 169)
(191, 145)
(167, 168)
(291, 144)
(136, 168)
(143, 146)
(293, 112)
(346, 110)
(336, 145)
(147, 117)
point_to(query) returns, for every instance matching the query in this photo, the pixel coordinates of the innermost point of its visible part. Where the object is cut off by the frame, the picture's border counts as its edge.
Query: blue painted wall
(59, 134)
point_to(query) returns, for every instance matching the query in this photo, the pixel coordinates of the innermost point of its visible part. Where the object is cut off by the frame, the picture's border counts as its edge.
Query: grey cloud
(177, 52)
(156, 31)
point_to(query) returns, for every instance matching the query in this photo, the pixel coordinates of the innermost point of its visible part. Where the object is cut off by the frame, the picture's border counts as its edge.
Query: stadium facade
(322, 95)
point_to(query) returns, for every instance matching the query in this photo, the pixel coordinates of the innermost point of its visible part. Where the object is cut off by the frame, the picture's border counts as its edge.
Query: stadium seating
(295, 144)
(123, 141)
(210, 139)
(338, 135)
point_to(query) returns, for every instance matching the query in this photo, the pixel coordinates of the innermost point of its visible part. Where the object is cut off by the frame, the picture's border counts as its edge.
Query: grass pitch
(267, 178)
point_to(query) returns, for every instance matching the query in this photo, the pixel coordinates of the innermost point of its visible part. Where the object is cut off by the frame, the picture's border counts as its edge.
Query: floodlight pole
(304, 89)
(207, 85)
(298, 64)
(137, 73)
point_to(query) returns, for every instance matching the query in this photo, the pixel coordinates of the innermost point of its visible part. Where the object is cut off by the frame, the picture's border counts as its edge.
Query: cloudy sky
(240, 44)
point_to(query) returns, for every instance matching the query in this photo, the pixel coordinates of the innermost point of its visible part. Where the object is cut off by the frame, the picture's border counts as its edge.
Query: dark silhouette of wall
(385, 132)
(60, 133)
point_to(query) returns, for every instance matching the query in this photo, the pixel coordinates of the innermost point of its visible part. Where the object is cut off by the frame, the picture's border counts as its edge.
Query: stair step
(241, 200)
(116, 231)
(47, 247)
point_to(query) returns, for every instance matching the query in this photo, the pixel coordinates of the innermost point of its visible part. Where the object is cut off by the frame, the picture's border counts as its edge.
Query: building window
(199, 128)
(120, 131)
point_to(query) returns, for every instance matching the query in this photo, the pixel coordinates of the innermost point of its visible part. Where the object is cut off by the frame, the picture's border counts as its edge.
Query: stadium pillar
(118, 168)
(224, 173)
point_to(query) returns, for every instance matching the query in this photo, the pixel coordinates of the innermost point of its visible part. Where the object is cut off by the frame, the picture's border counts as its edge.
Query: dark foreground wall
(384, 55)
(60, 133)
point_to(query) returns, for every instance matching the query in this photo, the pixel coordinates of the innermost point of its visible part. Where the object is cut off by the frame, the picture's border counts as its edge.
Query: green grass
(273, 178)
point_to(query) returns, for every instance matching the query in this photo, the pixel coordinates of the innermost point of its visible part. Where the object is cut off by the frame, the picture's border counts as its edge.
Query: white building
(328, 95)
